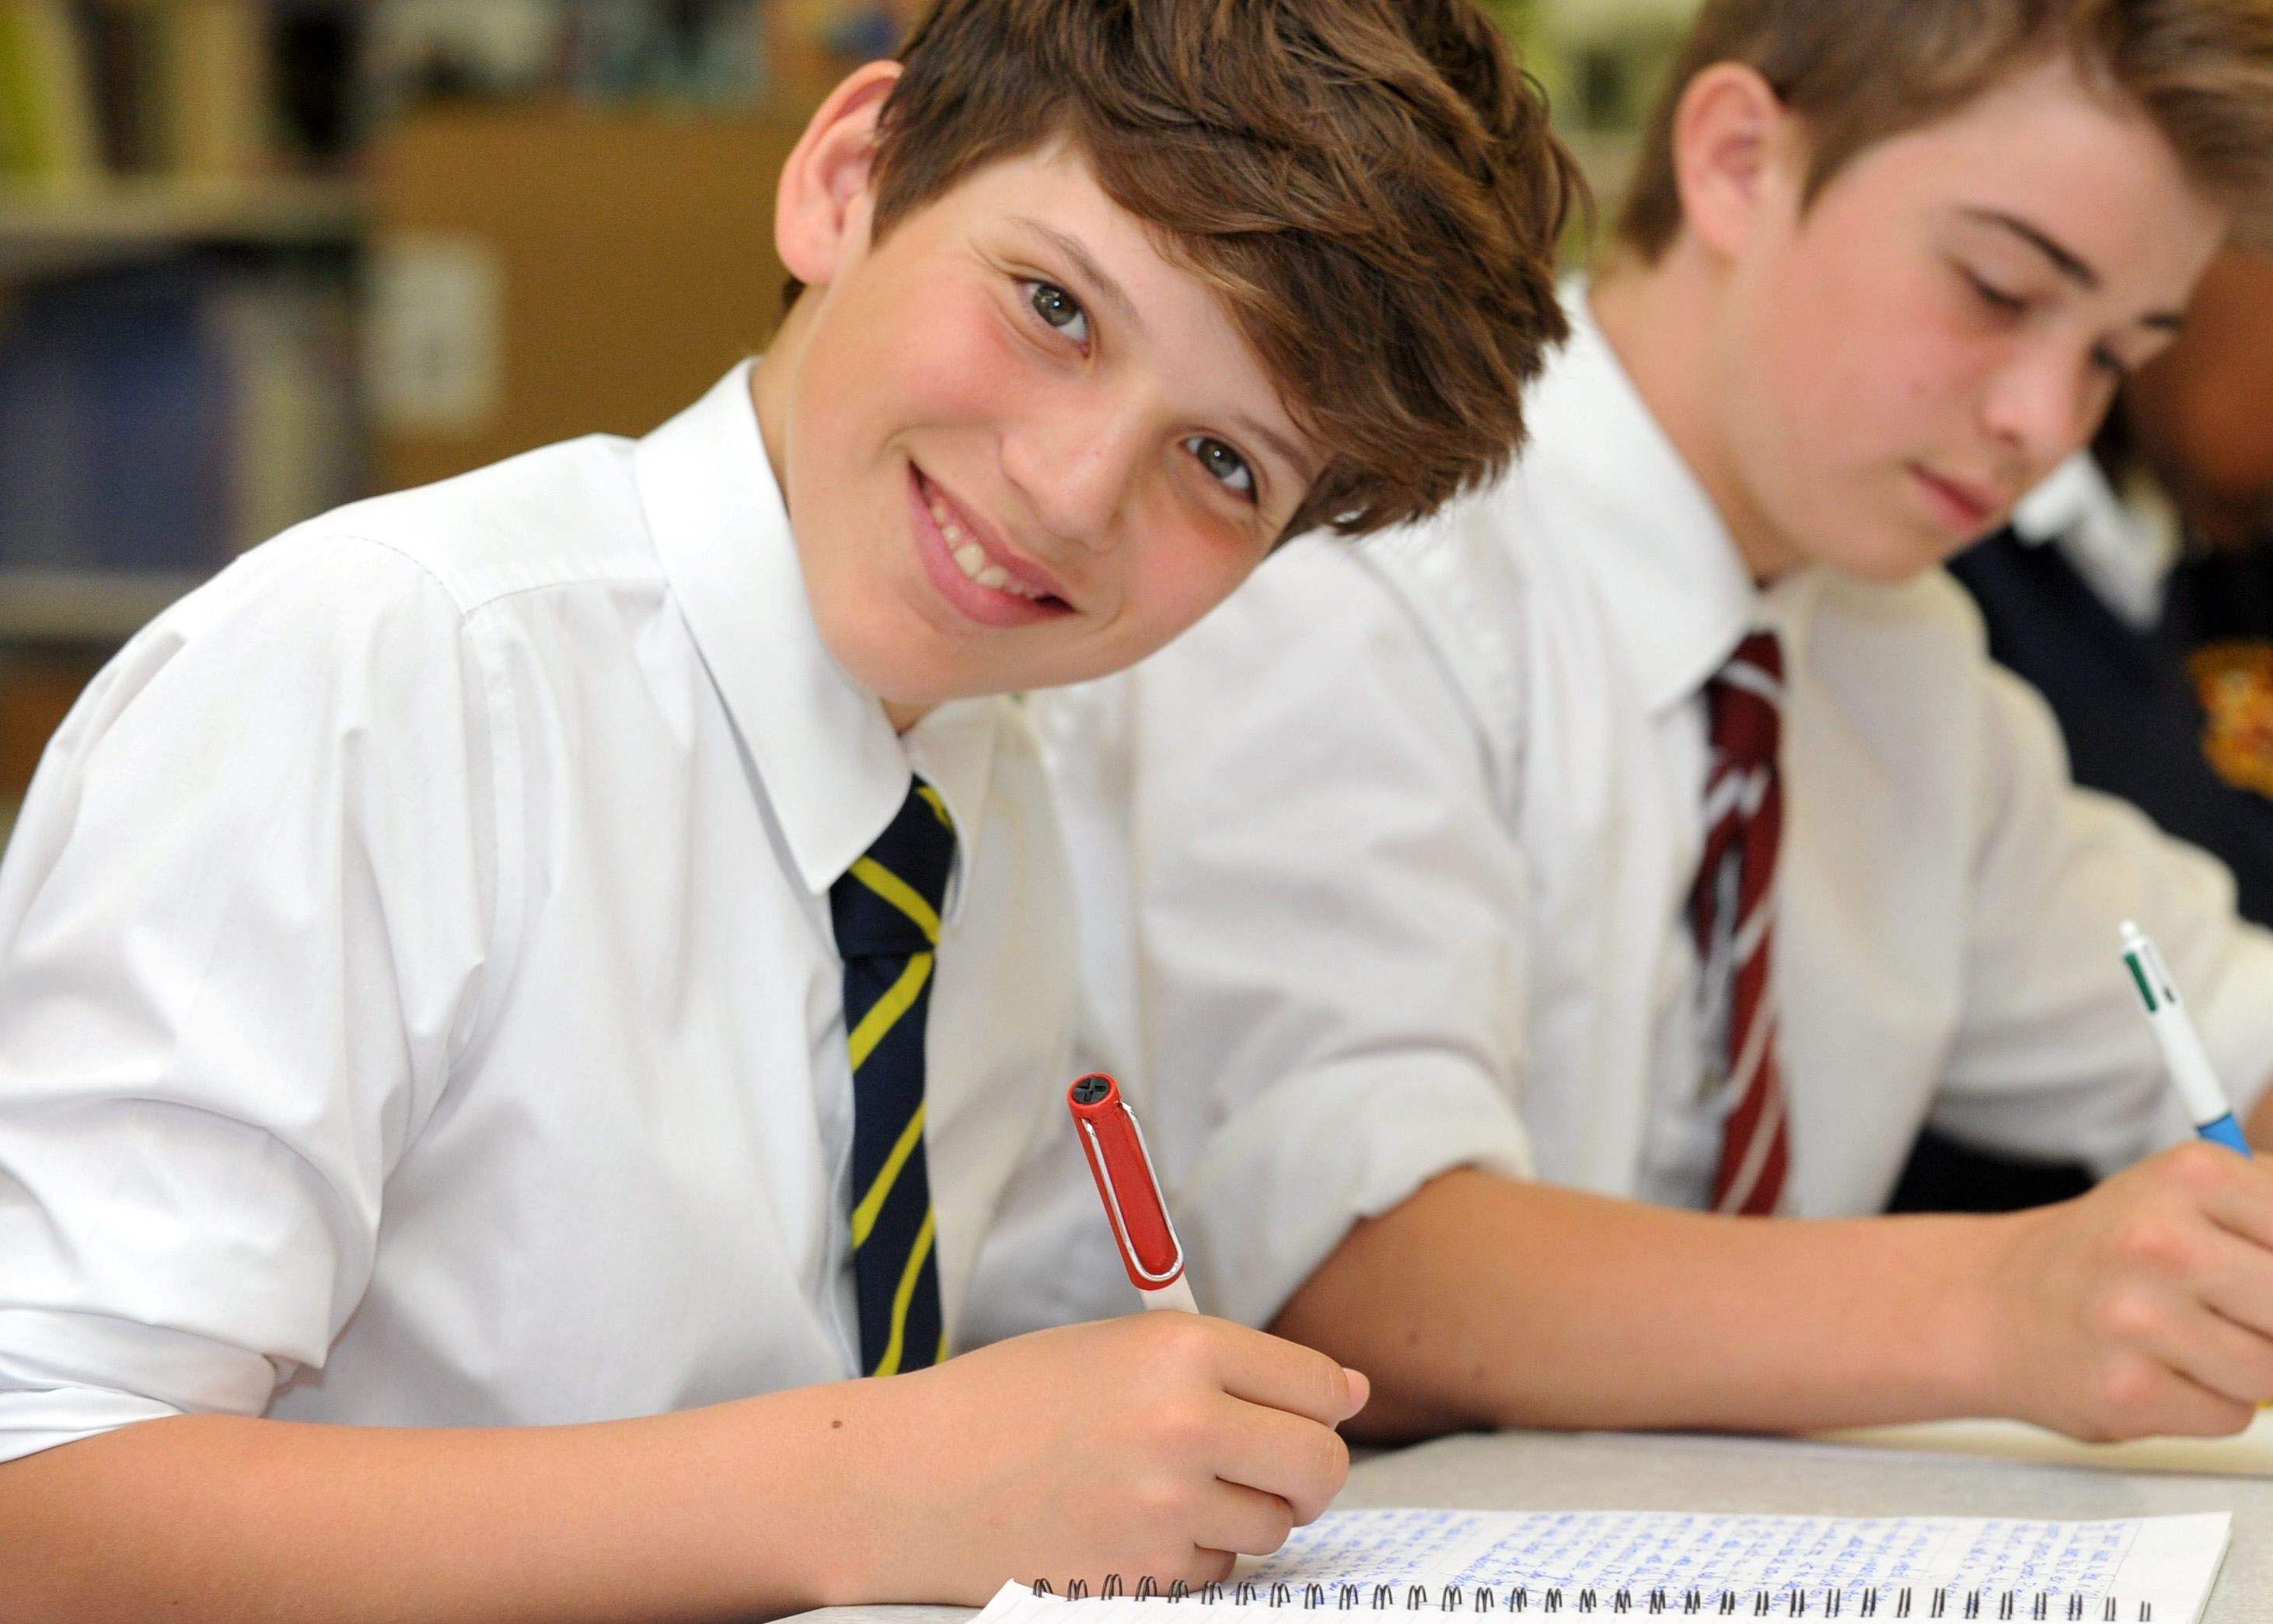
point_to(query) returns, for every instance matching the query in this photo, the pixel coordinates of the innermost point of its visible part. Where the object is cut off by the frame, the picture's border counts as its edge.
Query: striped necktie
(886, 915)
(1733, 909)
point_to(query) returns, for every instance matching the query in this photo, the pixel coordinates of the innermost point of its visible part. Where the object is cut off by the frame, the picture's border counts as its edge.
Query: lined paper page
(2167, 1564)
(1680, 1551)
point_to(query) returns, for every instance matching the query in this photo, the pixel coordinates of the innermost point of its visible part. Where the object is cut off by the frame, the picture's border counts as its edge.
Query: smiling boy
(1550, 930)
(516, 991)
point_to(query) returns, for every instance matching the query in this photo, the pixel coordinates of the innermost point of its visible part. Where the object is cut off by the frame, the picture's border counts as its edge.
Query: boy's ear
(1729, 133)
(821, 210)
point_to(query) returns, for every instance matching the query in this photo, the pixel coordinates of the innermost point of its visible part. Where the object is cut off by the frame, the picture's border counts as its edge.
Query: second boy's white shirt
(1412, 816)
(418, 1001)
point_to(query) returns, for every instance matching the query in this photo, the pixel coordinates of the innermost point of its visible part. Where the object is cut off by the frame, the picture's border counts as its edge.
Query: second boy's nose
(2042, 404)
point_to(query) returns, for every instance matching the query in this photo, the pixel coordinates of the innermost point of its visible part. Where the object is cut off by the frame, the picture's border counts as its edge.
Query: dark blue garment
(2126, 704)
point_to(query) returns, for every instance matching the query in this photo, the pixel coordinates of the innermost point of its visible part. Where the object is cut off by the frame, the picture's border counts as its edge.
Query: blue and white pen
(2181, 1044)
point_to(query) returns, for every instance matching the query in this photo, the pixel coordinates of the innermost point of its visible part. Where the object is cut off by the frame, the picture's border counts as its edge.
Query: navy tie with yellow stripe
(886, 912)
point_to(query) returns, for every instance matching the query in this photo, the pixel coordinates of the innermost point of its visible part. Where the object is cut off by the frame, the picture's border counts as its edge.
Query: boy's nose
(1077, 471)
(2046, 404)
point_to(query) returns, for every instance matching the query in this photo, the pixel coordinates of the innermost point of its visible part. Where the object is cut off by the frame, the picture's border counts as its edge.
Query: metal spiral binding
(2004, 1607)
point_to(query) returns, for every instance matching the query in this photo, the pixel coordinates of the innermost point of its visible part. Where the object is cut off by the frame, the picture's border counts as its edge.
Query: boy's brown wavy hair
(1369, 185)
(1859, 72)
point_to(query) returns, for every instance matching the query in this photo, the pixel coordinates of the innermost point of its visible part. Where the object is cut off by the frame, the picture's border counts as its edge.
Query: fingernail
(1361, 1389)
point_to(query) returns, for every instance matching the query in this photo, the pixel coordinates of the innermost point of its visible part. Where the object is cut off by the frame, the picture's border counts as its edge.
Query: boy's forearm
(1486, 1302)
(722, 1512)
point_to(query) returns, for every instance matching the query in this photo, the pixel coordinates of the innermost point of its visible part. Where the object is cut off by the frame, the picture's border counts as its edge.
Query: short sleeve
(242, 925)
(2053, 1057)
(1297, 941)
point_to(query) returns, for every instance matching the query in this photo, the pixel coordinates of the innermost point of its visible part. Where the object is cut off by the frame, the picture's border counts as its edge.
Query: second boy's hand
(2143, 1307)
(2176, 1260)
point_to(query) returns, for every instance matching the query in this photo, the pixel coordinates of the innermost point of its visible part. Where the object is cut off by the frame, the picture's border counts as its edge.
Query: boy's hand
(2143, 1307)
(1161, 1444)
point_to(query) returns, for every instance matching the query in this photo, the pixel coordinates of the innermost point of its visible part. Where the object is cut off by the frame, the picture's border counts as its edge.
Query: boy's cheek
(957, 355)
(1180, 579)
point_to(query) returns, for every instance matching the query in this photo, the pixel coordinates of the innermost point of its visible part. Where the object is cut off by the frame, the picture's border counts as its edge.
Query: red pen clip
(1119, 1162)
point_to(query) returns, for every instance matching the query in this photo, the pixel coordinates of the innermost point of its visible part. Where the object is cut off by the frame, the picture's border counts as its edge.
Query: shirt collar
(2124, 555)
(831, 765)
(1674, 587)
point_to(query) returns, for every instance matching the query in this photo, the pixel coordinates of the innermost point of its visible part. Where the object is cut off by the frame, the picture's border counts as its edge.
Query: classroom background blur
(261, 256)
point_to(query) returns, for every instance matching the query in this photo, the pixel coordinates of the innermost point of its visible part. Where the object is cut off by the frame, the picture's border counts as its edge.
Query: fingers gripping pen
(1126, 1183)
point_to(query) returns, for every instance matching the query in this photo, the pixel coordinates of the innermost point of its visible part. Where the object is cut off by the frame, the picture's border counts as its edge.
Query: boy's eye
(1996, 297)
(1225, 466)
(1060, 309)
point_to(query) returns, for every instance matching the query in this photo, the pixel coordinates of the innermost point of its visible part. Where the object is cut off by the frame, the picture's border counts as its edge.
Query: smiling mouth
(987, 569)
(971, 558)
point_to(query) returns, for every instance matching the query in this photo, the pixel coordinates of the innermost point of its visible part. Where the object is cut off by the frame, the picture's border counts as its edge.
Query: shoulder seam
(470, 604)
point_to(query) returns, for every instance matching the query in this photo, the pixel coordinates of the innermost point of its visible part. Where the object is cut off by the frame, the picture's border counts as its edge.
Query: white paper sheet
(2163, 1565)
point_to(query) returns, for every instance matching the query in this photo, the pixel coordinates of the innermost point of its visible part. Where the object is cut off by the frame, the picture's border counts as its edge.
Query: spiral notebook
(2136, 1570)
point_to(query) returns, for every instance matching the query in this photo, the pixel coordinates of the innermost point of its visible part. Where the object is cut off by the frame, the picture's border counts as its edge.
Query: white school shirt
(1409, 828)
(418, 1001)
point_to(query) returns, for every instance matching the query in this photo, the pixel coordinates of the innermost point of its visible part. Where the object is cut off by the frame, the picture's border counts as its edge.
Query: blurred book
(295, 437)
(47, 132)
(200, 90)
(705, 54)
(217, 87)
(164, 417)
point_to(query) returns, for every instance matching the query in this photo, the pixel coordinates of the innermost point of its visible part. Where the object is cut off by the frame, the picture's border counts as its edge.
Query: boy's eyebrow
(1117, 295)
(2069, 263)
(1090, 269)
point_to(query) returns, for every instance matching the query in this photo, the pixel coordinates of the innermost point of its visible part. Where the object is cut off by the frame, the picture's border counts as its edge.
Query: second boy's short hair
(1859, 72)
(1369, 185)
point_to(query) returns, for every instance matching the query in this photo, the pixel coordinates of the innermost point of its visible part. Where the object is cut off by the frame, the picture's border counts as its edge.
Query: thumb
(1361, 1389)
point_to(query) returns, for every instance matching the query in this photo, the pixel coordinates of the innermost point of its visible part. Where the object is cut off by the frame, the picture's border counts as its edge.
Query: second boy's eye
(1996, 297)
(1060, 309)
(1225, 466)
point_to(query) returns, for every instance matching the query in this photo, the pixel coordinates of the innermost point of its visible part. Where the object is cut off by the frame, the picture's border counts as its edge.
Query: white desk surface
(1548, 1471)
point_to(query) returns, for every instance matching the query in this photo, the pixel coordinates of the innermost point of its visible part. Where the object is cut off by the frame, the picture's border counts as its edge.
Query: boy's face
(1902, 361)
(1019, 446)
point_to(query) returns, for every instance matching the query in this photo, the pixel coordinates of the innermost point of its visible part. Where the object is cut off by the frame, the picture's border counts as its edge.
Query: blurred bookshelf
(88, 605)
(46, 233)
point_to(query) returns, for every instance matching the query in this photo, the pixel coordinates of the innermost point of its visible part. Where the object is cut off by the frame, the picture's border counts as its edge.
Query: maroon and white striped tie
(1733, 907)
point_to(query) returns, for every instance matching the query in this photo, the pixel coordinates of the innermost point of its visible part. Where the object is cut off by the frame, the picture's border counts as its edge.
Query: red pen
(1118, 1160)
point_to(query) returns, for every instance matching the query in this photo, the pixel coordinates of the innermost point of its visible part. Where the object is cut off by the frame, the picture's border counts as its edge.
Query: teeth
(971, 558)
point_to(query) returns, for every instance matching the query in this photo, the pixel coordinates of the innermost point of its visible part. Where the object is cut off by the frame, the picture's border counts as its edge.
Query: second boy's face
(1905, 358)
(1024, 448)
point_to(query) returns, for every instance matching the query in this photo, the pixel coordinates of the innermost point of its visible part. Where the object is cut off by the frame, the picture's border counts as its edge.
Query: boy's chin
(883, 666)
(1891, 555)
